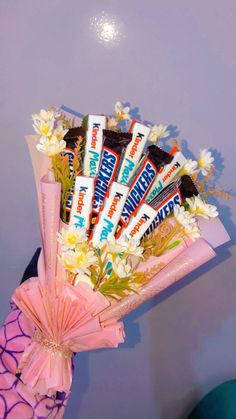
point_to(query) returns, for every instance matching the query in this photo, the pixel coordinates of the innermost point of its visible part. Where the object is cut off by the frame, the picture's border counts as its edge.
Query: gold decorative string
(151, 272)
(51, 345)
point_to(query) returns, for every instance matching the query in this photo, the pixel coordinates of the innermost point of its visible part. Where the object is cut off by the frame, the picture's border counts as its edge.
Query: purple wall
(175, 62)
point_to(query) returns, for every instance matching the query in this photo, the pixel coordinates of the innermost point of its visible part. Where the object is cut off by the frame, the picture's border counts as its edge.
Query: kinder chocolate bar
(114, 144)
(173, 194)
(155, 159)
(149, 216)
(140, 222)
(82, 202)
(108, 219)
(71, 139)
(133, 152)
(94, 143)
(166, 175)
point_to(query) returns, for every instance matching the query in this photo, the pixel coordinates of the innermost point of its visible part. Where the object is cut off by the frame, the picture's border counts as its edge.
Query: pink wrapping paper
(190, 259)
(41, 165)
(50, 204)
(48, 197)
(67, 320)
(163, 260)
(16, 399)
(213, 231)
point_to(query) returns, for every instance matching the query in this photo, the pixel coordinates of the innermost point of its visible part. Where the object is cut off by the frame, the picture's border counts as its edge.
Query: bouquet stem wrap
(67, 320)
(190, 259)
(17, 400)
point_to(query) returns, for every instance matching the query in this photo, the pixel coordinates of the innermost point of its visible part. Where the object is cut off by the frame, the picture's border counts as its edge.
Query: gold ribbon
(51, 345)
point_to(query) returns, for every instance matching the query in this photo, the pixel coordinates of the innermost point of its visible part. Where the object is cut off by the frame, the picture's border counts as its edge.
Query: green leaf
(174, 244)
(84, 123)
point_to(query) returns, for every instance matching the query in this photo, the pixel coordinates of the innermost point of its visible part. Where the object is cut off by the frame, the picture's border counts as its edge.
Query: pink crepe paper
(68, 319)
(17, 400)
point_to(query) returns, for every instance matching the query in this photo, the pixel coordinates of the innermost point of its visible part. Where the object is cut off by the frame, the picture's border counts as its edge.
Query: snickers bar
(114, 144)
(155, 159)
(149, 216)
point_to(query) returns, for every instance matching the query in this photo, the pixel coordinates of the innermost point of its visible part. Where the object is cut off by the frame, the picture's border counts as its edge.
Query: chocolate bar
(133, 152)
(82, 202)
(94, 143)
(108, 219)
(156, 158)
(114, 144)
(166, 176)
(149, 216)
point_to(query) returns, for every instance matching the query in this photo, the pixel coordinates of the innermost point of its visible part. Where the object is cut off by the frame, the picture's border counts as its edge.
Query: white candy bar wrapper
(166, 176)
(94, 142)
(140, 222)
(82, 202)
(133, 152)
(110, 215)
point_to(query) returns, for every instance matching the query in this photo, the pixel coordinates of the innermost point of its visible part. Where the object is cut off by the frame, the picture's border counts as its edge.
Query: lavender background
(175, 62)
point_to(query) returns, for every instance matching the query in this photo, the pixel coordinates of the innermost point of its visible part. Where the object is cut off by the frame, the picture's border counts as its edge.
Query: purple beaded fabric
(16, 399)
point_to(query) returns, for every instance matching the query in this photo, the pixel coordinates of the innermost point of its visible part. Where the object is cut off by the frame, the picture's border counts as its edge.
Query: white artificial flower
(182, 216)
(205, 161)
(199, 207)
(81, 277)
(51, 146)
(193, 231)
(44, 122)
(60, 131)
(113, 245)
(130, 246)
(79, 261)
(157, 132)
(121, 112)
(44, 115)
(112, 123)
(69, 238)
(189, 168)
(44, 128)
(121, 268)
(188, 221)
(123, 245)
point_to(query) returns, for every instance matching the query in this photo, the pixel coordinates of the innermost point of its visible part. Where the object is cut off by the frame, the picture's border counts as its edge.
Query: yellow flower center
(120, 115)
(71, 239)
(68, 266)
(201, 163)
(200, 210)
(80, 258)
(44, 128)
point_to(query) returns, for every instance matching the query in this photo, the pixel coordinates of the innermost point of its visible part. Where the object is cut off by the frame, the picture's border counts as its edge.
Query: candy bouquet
(121, 219)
